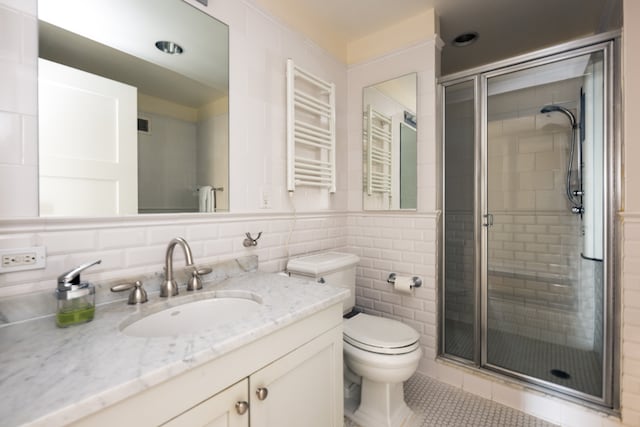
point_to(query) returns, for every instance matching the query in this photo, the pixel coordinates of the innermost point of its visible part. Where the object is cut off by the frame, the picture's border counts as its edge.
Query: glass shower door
(543, 278)
(460, 326)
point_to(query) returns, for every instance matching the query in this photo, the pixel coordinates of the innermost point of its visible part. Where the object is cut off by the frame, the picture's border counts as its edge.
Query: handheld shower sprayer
(556, 108)
(574, 196)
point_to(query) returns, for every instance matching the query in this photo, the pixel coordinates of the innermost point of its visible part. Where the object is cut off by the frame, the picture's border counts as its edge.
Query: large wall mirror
(390, 144)
(133, 108)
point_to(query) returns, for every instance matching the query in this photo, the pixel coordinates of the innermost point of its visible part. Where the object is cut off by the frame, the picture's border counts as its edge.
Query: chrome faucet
(169, 287)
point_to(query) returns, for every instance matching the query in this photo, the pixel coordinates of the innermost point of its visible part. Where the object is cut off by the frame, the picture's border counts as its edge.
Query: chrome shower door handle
(489, 218)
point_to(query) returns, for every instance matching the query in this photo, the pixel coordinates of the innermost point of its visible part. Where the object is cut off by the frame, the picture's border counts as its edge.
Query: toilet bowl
(384, 353)
(379, 353)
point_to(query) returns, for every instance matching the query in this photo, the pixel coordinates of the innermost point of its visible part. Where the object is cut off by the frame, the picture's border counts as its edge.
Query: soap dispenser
(76, 299)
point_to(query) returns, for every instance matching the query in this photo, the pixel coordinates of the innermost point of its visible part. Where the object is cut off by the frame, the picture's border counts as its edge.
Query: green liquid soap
(75, 316)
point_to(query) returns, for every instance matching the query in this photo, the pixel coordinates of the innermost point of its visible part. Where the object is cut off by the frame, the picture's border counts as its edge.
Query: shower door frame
(607, 43)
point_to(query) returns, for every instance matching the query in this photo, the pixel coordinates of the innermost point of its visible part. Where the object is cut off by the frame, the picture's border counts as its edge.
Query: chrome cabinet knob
(242, 407)
(262, 393)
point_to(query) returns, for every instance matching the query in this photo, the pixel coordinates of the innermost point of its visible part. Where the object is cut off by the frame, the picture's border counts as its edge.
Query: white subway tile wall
(631, 320)
(18, 107)
(530, 294)
(459, 266)
(527, 163)
(534, 243)
(139, 247)
(405, 245)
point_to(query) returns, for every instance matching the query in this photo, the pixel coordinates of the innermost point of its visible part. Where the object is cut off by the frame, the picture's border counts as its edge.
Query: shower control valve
(578, 210)
(578, 193)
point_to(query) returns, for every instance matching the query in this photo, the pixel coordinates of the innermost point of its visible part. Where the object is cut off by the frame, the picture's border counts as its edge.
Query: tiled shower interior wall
(536, 282)
(539, 287)
(534, 257)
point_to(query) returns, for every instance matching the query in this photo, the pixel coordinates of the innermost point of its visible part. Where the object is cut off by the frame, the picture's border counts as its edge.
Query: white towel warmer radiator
(311, 130)
(377, 135)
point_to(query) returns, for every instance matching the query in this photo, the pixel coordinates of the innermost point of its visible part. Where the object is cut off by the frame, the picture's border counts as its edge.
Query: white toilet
(379, 353)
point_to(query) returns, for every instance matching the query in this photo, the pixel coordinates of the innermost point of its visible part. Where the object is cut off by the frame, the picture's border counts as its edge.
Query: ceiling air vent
(204, 2)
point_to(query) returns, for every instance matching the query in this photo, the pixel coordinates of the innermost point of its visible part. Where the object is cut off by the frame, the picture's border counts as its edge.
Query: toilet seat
(380, 335)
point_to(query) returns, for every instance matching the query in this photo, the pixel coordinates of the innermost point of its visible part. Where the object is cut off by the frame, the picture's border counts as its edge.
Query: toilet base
(381, 405)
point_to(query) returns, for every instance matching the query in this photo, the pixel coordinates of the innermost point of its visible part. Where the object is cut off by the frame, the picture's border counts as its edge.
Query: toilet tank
(333, 268)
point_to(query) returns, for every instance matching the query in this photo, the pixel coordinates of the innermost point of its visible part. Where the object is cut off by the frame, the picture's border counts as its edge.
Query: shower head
(554, 108)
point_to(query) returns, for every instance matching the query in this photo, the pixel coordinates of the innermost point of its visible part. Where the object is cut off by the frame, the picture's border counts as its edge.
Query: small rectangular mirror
(389, 134)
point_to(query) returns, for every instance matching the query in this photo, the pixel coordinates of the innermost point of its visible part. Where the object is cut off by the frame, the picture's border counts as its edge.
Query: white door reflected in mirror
(390, 144)
(179, 122)
(90, 168)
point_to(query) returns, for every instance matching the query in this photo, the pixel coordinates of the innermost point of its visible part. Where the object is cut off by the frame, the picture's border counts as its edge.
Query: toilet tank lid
(322, 263)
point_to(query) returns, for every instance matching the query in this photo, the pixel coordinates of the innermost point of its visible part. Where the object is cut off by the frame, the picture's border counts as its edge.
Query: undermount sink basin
(191, 317)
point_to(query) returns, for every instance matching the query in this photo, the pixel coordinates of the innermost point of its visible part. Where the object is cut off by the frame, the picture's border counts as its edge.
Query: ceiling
(506, 27)
(116, 39)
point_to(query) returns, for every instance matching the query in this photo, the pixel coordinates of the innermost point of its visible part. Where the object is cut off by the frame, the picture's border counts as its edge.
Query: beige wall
(400, 35)
(152, 104)
(403, 34)
(631, 107)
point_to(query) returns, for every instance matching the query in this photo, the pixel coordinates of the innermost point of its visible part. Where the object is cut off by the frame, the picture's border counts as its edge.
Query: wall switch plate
(265, 199)
(19, 259)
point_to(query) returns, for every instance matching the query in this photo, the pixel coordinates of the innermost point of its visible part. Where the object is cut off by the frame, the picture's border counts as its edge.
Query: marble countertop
(51, 376)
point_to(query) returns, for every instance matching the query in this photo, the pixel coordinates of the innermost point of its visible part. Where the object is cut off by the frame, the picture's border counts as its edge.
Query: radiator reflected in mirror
(389, 134)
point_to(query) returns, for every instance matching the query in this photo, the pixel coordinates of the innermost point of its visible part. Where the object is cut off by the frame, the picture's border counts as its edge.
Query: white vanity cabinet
(295, 390)
(291, 377)
(221, 410)
(301, 388)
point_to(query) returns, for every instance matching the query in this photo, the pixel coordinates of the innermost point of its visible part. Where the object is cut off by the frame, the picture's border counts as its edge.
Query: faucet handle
(203, 270)
(195, 282)
(137, 295)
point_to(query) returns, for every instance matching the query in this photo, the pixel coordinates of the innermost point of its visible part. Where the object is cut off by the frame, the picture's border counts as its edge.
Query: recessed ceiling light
(465, 39)
(169, 47)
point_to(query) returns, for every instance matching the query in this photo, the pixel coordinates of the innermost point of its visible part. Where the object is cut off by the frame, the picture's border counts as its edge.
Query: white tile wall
(18, 108)
(526, 164)
(420, 59)
(631, 320)
(138, 246)
(173, 143)
(406, 245)
(259, 47)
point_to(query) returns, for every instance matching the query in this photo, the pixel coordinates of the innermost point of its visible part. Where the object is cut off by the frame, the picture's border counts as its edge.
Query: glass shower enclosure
(529, 191)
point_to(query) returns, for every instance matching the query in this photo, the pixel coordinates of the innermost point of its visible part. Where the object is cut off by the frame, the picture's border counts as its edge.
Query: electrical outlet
(19, 259)
(265, 200)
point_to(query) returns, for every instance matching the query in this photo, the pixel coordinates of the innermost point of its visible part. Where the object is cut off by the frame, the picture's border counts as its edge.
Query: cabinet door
(303, 388)
(217, 411)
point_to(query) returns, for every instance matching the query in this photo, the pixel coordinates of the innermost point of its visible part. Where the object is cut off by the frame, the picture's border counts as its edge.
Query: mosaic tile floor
(532, 357)
(436, 404)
